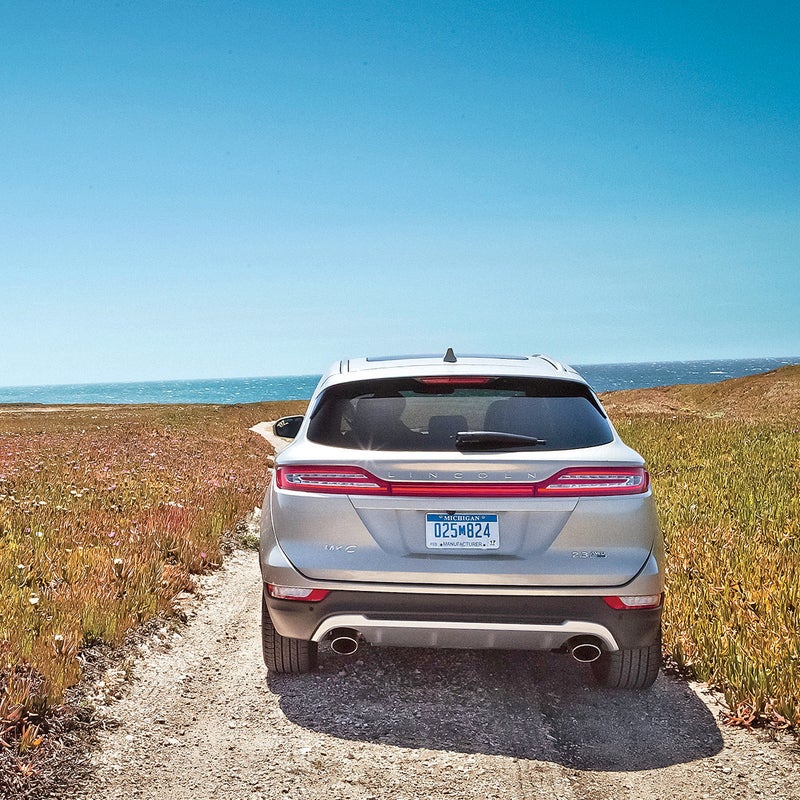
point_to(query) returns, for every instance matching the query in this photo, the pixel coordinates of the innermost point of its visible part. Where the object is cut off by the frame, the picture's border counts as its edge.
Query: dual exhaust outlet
(344, 641)
(584, 649)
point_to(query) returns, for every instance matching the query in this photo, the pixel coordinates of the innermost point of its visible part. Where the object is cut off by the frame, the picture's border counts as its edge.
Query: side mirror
(288, 427)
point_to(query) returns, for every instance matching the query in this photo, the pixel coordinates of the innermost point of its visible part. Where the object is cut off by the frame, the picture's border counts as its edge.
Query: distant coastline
(603, 377)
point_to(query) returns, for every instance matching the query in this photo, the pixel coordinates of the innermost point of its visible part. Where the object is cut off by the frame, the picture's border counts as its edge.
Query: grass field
(106, 512)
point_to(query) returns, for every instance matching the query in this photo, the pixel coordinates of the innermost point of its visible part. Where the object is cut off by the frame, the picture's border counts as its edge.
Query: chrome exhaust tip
(585, 649)
(344, 641)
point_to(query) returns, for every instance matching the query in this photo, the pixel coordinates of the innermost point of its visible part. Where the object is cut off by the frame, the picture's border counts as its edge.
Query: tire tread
(283, 654)
(636, 668)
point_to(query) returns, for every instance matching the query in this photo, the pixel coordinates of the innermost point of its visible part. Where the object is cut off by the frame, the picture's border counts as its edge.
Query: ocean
(603, 377)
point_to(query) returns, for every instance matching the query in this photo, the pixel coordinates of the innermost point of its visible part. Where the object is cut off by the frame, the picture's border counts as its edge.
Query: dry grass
(105, 512)
(767, 397)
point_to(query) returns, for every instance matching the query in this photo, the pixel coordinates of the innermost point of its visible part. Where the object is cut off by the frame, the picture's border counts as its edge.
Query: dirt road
(204, 719)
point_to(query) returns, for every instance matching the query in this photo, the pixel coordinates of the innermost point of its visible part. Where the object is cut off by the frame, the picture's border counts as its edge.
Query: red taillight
(595, 482)
(297, 593)
(440, 489)
(330, 480)
(353, 480)
(572, 482)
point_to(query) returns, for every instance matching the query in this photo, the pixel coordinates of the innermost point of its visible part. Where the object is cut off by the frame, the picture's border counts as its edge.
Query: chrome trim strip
(366, 625)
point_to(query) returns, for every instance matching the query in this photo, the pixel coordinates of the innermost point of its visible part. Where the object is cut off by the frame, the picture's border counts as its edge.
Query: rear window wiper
(494, 440)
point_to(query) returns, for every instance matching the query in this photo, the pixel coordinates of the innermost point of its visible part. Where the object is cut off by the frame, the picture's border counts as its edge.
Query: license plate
(462, 532)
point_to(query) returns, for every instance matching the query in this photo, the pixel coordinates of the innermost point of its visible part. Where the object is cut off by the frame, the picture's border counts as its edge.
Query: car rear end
(476, 502)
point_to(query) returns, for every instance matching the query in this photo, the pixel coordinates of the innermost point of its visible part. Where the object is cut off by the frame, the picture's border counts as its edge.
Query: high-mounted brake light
(572, 482)
(595, 481)
(456, 380)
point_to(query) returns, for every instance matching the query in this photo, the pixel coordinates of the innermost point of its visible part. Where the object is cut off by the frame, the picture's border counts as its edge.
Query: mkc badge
(341, 548)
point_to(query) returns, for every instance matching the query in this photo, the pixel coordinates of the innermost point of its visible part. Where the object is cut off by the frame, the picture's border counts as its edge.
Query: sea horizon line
(305, 375)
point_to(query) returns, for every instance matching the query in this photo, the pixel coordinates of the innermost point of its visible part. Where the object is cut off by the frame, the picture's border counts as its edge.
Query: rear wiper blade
(494, 440)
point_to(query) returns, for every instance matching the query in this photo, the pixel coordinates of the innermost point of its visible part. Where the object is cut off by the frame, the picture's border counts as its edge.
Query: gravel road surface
(204, 719)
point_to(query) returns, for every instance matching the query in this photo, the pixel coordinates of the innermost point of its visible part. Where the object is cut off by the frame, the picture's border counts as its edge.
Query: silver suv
(461, 501)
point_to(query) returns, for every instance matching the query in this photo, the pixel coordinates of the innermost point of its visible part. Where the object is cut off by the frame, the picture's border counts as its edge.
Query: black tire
(636, 668)
(282, 654)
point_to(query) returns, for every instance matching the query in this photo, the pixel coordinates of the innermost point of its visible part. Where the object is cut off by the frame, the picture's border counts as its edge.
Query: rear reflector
(634, 601)
(572, 482)
(297, 593)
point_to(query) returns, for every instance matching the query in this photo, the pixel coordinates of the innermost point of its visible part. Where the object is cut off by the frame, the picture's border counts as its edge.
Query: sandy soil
(204, 719)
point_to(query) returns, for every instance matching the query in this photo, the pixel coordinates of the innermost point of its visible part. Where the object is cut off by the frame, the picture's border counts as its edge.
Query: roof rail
(551, 361)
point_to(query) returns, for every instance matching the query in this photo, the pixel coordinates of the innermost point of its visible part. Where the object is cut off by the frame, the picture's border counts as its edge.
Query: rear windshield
(427, 414)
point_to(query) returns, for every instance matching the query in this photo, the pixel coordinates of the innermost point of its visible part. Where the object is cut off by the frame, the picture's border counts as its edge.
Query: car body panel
(590, 541)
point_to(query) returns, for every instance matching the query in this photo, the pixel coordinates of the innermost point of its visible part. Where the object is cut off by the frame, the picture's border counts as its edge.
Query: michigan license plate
(462, 532)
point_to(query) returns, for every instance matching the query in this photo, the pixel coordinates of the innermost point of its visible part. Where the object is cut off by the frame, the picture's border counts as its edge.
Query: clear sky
(258, 188)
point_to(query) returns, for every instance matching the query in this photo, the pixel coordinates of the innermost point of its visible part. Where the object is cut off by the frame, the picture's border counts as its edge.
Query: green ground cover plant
(728, 493)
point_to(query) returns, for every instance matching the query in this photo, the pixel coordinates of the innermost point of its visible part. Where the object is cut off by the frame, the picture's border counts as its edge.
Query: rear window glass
(408, 414)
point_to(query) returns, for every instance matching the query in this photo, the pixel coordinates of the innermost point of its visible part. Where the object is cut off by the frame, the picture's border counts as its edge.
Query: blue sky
(241, 189)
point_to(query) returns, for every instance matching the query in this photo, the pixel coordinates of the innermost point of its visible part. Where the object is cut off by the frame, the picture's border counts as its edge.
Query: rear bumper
(466, 621)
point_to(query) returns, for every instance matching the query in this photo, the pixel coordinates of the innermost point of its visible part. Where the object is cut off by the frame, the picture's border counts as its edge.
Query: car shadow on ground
(542, 706)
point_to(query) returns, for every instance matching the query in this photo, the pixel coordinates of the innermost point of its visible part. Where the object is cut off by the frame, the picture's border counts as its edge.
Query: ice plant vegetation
(105, 513)
(728, 493)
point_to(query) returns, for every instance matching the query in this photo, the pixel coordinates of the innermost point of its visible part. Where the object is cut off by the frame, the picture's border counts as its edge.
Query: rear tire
(636, 668)
(283, 654)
